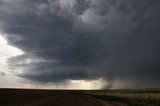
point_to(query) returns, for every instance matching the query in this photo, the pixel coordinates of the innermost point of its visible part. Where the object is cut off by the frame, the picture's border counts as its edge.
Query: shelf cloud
(117, 40)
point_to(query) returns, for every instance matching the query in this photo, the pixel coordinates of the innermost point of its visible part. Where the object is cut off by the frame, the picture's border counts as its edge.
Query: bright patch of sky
(6, 51)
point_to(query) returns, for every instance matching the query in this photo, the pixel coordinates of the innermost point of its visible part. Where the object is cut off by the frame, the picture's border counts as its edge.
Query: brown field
(22, 97)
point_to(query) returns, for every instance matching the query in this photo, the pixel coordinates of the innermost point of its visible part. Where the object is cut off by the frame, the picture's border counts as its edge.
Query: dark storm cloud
(46, 31)
(81, 6)
(114, 39)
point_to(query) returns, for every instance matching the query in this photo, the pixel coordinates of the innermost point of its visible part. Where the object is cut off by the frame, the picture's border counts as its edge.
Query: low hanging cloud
(114, 39)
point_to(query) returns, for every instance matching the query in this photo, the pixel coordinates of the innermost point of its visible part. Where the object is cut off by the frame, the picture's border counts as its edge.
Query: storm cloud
(117, 40)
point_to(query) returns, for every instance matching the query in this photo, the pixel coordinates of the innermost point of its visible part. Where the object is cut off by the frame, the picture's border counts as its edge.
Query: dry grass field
(22, 97)
(146, 97)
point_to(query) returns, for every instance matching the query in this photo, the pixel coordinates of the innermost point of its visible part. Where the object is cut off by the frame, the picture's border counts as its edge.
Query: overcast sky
(80, 44)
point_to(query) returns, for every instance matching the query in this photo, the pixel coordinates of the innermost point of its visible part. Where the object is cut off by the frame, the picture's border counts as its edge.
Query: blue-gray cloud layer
(113, 39)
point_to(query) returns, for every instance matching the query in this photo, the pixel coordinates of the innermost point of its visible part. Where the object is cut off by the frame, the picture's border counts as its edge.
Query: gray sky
(80, 44)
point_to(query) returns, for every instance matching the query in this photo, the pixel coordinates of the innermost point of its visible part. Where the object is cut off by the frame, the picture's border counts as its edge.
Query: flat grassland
(143, 97)
(33, 97)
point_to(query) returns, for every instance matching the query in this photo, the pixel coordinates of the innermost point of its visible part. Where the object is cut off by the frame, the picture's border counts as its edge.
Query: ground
(15, 97)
